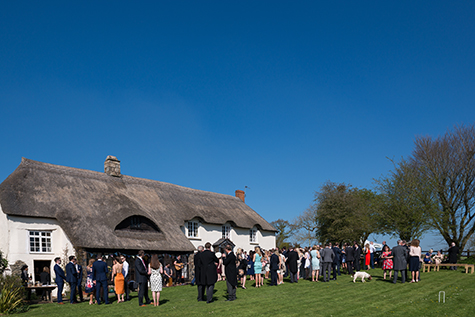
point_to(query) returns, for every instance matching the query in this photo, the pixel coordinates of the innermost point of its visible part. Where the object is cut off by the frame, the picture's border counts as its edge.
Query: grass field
(336, 298)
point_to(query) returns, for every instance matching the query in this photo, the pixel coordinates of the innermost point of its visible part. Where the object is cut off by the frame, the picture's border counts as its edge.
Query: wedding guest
(438, 258)
(141, 275)
(72, 278)
(367, 256)
(257, 259)
(357, 261)
(274, 266)
(343, 256)
(59, 279)
(399, 253)
(372, 250)
(387, 262)
(336, 260)
(414, 259)
(453, 254)
(45, 279)
(125, 273)
(242, 267)
(230, 271)
(89, 282)
(428, 257)
(350, 258)
(315, 263)
(292, 259)
(198, 268)
(118, 279)
(99, 277)
(327, 257)
(155, 271)
(208, 273)
(282, 268)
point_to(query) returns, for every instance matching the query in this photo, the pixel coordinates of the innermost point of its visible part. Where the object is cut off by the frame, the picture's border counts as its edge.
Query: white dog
(363, 275)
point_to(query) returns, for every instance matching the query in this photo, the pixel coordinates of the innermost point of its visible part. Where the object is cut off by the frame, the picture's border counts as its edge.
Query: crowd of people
(317, 263)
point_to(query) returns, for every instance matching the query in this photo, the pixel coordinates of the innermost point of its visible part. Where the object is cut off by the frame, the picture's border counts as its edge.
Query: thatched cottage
(46, 209)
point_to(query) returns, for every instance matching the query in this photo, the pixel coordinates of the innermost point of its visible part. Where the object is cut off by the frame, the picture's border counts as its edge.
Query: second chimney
(240, 194)
(112, 166)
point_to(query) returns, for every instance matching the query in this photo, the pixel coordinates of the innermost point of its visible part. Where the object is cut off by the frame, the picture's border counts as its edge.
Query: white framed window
(193, 229)
(226, 230)
(253, 235)
(40, 241)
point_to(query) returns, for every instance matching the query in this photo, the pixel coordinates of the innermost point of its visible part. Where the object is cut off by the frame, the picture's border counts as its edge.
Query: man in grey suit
(327, 257)
(399, 261)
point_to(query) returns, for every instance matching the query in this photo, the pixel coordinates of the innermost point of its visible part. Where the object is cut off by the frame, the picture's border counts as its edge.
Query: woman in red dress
(367, 257)
(388, 261)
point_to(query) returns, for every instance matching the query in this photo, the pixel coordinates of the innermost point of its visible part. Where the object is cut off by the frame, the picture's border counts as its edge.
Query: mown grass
(336, 298)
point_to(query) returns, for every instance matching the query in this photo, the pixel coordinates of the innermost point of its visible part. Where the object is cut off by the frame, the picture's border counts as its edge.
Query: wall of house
(14, 241)
(239, 236)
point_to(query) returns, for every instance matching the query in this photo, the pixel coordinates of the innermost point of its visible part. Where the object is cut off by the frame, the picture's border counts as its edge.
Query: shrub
(11, 295)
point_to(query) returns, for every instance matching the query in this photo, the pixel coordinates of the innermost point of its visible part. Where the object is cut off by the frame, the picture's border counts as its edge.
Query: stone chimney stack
(112, 166)
(240, 194)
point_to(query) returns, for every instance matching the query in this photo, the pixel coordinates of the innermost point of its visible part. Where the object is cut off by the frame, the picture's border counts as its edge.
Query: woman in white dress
(155, 270)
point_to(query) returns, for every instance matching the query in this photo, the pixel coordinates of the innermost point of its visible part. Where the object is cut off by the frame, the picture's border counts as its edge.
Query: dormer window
(137, 224)
(226, 231)
(193, 229)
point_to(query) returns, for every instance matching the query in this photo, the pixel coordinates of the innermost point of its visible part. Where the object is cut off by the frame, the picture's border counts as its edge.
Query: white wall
(14, 240)
(239, 236)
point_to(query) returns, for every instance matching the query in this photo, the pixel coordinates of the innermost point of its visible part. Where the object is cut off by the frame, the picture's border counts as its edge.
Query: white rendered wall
(239, 236)
(14, 240)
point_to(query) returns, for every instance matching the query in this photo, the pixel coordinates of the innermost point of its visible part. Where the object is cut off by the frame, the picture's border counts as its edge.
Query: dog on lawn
(361, 275)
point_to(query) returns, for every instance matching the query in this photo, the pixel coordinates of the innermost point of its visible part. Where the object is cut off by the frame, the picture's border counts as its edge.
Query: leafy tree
(284, 231)
(407, 201)
(345, 213)
(448, 164)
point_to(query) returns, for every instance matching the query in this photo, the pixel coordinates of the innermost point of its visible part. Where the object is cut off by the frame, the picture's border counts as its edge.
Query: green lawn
(336, 298)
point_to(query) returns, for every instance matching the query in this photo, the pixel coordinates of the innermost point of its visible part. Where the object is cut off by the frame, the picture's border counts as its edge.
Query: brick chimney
(240, 194)
(112, 166)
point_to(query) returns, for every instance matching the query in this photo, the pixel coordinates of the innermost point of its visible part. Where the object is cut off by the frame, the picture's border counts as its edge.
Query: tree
(407, 201)
(305, 226)
(448, 164)
(345, 213)
(284, 231)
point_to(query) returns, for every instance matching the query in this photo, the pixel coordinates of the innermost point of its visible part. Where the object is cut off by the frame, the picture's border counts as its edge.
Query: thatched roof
(89, 205)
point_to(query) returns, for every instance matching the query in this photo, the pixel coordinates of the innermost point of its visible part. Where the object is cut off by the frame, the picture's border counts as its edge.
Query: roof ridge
(103, 176)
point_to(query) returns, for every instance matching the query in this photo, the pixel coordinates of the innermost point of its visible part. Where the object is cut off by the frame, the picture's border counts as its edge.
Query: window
(226, 230)
(40, 241)
(253, 235)
(192, 229)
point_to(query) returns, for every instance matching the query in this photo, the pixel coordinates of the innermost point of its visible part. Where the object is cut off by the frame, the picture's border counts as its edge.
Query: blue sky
(278, 96)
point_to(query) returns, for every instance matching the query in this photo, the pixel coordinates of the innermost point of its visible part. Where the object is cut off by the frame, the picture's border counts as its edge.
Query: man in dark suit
(357, 261)
(292, 259)
(141, 276)
(274, 266)
(209, 275)
(72, 278)
(453, 254)
(350, 258)
(99, 278)
(198, 269)
(230, 271)
(399, 253)
(59, 279)
(79, 284)
(336, 260)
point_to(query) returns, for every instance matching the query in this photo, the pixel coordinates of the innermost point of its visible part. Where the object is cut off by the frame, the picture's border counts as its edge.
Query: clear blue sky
(279, 96)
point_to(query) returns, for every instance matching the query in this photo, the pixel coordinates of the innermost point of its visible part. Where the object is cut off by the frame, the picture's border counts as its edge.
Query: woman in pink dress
(388, 261)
